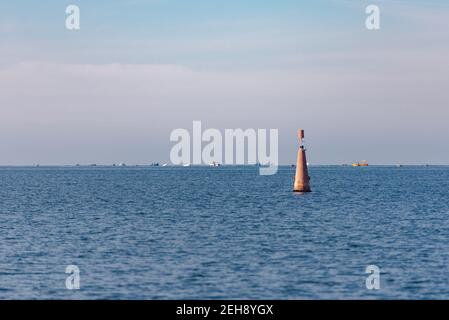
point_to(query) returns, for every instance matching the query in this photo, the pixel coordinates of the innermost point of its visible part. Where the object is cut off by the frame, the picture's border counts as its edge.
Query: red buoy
(302, 179)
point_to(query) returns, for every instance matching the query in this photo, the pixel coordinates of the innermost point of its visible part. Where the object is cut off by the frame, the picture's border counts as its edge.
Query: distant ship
(362, 163)
(214, 164)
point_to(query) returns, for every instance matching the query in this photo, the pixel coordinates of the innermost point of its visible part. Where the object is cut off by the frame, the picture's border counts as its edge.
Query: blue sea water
(223, 233)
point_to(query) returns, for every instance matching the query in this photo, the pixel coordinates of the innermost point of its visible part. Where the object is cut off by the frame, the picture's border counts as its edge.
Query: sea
(223, 233)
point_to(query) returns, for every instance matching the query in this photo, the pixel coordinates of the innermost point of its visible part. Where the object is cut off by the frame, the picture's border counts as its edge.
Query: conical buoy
(302, 179)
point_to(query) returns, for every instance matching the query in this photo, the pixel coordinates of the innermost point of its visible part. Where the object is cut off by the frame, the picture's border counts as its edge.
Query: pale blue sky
(113, 91)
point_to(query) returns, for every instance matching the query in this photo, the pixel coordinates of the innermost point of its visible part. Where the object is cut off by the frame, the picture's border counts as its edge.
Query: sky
(114, 90)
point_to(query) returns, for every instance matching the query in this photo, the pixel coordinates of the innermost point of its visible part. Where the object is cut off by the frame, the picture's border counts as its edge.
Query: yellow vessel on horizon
(362, 163)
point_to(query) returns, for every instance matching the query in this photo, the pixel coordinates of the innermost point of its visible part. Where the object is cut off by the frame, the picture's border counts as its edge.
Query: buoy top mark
(300, 134)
